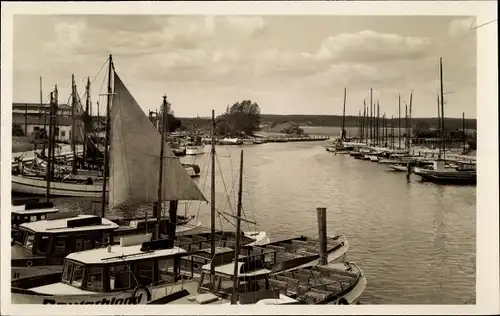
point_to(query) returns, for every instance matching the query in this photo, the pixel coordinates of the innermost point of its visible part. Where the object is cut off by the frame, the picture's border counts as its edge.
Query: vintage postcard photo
(214, 155)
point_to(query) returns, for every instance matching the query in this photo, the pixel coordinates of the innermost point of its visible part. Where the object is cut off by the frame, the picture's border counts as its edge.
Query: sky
(287, 64)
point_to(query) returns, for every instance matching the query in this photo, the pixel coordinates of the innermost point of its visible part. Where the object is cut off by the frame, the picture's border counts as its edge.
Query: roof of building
(39, 120)
(22, 105)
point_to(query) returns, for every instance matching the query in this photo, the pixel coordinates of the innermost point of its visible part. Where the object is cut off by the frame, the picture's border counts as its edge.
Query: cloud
(460, 27)
(372, 46)
(233, 55)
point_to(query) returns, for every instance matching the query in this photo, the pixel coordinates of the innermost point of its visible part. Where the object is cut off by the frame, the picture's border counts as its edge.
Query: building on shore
(33, 117)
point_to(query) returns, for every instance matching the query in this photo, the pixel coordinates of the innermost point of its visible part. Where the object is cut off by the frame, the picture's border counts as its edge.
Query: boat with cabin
(40, 246)
(134, 272)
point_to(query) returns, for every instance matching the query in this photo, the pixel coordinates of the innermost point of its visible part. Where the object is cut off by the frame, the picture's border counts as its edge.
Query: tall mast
(343, 116)
(54, 130)
(392, 131)
(364, 120)
(88, 117)
(371, 116)
(463, 130)
(43, 110)
(360, 124)
(73, 123)
(234, 297)
(399, 121)
(409, 121)
(160, 178)
(439, 127)
(378, 123)
(48, 171)
(442, 104)
(406, 126)
(106, 140)
(212, 204)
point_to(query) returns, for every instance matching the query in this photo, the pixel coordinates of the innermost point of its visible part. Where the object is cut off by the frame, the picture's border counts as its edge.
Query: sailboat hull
(27, 185)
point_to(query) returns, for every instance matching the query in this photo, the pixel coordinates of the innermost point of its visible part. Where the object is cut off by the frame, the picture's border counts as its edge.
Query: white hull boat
(38, 186)
(195, 150)
(230, 141)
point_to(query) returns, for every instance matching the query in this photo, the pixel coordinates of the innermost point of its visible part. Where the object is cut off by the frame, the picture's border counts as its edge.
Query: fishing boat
(137, 271)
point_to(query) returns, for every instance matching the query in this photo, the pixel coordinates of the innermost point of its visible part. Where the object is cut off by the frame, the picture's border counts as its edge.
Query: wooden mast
(234, 297)
(160, 178)
(343, 134)
(406, 126)
(371, 117)
(48, 172)
(463, 130)
(106, 140)
(399, 121)
(442, 104)
(54, 130)
(439, 127)
(73, 124)
(212, 204)
(88, 117)
(409, 121)
(364, 121)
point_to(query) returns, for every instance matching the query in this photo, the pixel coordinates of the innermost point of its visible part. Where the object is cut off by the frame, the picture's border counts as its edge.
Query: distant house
(32, 118)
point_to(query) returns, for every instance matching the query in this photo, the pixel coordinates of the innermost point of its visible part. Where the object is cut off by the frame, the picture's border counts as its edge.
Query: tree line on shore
(245, 118)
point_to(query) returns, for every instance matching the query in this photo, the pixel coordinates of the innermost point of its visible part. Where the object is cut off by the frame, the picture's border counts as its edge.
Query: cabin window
(28, 242)
(20, 236)
(121, 277)
(166, 269)
(145, 272)
(43, 216)
(60, 245)
(84, 243)
(33, 218)
(95, 278)
(67, 272)
(43, 244)
(77, 278)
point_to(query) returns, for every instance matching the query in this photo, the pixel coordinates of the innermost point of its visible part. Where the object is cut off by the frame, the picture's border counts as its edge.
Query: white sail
(135, 158)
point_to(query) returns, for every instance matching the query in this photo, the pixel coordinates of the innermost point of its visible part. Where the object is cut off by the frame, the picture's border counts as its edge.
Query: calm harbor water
(415, 241)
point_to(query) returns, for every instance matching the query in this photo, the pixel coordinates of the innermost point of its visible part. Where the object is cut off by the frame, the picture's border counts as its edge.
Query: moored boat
(127, 274)
(230, 141)
(40, 246)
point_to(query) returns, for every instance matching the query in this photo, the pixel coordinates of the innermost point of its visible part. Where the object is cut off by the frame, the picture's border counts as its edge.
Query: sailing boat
(464, 173)
(195, 147)
(66, 182)
(340, 147)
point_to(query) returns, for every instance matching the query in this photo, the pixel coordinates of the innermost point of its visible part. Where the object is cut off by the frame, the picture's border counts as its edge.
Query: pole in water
(321, 213)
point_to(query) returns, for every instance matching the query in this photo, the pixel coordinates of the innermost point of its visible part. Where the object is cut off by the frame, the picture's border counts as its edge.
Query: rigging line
(95, 77)
(224, 183)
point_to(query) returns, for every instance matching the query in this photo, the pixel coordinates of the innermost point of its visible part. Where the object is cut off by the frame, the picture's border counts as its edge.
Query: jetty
(286, 139)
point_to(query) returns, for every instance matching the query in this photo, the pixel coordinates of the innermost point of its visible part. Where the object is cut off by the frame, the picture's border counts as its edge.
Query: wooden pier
(286, 139)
